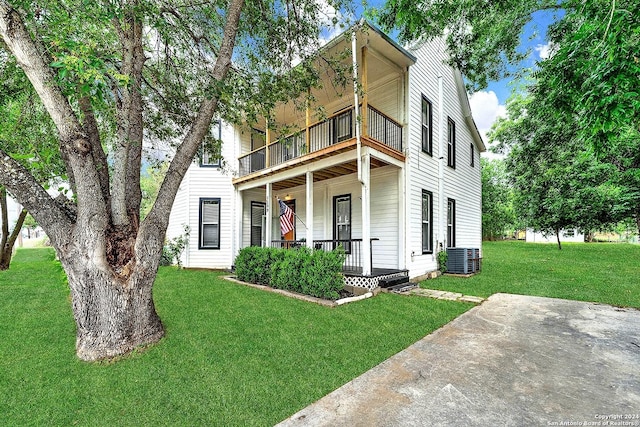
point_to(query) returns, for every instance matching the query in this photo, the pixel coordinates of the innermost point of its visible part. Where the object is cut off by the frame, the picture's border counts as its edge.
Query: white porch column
(269, 196)
(402, 223)
(366, 213)
(310, 209)
(237, 231)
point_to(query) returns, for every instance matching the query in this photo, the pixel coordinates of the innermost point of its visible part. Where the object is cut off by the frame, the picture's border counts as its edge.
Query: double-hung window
(211, 146)
(451, 143)
(451, 223)
(427, 223)
(427, 129)
(209, 230)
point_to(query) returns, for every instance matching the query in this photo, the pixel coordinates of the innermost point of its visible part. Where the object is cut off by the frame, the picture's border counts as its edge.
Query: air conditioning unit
(463, 260)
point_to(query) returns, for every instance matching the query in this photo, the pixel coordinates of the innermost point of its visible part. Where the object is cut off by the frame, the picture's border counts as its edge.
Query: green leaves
(26, 130)
(85, 71)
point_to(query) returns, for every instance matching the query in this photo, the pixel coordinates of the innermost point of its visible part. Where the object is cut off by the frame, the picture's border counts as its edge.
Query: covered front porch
(367, 221)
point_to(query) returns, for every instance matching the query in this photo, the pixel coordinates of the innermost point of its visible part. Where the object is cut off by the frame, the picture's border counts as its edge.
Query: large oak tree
(114, 76)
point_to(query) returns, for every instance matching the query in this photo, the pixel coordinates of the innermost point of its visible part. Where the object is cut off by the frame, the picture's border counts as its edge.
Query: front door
(342, 221)
(291, 235)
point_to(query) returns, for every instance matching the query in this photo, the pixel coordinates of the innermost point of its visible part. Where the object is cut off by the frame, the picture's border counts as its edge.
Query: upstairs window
(472, 152)
(451, 143)
(211, 145)
(427, 122)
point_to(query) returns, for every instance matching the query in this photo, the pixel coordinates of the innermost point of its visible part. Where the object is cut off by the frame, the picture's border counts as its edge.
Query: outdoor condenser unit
(463, 260)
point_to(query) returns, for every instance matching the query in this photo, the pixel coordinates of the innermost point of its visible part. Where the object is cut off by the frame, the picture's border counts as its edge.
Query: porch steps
(395, 283)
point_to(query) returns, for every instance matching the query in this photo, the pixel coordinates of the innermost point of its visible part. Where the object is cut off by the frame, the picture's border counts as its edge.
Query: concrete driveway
(512, 361)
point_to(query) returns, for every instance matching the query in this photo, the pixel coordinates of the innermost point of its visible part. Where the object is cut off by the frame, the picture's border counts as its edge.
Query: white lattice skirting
(369, 283)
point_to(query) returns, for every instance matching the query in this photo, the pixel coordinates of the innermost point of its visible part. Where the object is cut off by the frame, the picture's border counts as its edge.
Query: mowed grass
(233, 355)
(599, 272)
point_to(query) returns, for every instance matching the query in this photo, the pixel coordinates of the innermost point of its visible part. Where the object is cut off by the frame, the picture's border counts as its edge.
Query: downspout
(441, 218)
(356, 103)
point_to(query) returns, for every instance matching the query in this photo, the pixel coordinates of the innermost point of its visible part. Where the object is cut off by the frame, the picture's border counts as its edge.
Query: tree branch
(75, 147)
(49, 214)
(125, 190)
(17, 229)
(99, 156)
(158, 216)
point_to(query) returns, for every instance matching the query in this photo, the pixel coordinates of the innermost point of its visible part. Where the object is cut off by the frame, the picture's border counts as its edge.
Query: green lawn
(233, 355)
(599, 272)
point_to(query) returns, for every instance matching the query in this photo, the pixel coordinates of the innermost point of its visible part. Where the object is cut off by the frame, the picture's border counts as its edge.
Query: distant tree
(150, 182)
(497, 200)
(557, 182)
(30, 224)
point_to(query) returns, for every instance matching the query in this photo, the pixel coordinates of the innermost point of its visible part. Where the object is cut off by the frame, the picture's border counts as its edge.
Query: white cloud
(545, 50)
(486, 108)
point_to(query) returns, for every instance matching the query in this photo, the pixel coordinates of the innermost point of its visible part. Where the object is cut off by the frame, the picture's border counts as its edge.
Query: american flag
(286, 218)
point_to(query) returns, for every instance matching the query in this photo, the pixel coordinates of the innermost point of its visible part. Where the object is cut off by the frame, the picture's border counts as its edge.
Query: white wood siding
(207, 182)
(462, 184)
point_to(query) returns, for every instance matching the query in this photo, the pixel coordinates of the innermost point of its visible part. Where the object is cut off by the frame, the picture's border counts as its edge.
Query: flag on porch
(286, 217)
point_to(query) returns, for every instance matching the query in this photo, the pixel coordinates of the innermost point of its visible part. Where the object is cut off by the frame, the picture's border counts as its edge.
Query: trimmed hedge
(312, 272)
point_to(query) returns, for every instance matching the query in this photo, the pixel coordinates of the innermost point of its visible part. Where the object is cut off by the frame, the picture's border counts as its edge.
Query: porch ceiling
(324, 174)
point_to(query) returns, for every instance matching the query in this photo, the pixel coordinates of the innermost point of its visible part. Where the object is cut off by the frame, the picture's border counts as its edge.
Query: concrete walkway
(445, 295)
(511, 361)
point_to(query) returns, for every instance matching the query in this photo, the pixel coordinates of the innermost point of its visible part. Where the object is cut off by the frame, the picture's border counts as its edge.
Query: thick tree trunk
(114, 313)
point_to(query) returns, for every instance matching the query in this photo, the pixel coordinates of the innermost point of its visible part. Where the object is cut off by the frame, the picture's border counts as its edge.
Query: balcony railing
(384, 129)
(352, 248)
(252, 162)
(337, 128)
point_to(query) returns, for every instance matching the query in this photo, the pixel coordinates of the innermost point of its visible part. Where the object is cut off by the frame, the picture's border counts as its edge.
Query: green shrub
(172, 249)
(442, 260)
(311, 272)
(322, 274)
(253, 264)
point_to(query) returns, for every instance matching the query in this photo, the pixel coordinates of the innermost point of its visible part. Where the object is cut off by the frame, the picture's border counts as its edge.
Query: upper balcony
(380, 117)
(333, 135)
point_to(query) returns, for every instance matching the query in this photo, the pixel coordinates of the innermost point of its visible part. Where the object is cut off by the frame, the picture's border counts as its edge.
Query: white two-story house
(393, 180)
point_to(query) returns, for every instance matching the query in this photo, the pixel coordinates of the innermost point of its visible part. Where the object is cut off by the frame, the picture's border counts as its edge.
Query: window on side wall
(451, 143)
(451, 223)
(427, 122)
(472, 152)
(209, 230)
(427, 223)
(211, 146)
